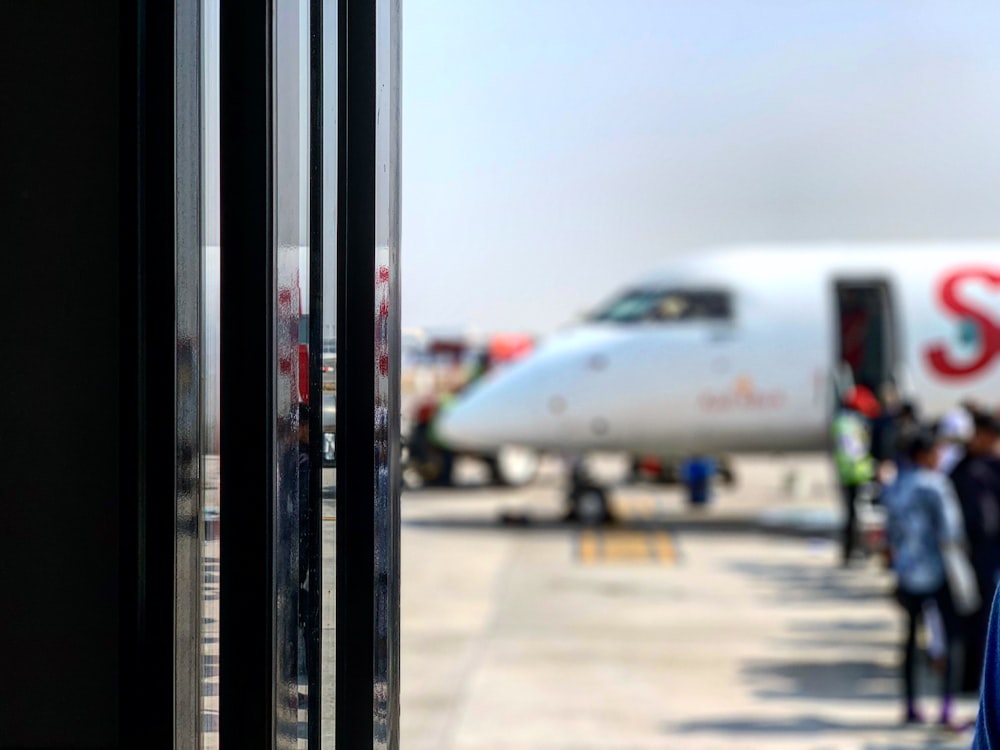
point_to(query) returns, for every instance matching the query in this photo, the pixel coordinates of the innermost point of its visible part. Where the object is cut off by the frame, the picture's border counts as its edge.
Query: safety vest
(852, 449)
(444, 401)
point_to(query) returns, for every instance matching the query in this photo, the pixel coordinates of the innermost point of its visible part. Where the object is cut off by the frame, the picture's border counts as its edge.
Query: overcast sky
(555, 149)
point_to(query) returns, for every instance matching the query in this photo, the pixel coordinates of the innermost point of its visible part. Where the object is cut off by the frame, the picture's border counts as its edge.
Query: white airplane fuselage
(762, 379)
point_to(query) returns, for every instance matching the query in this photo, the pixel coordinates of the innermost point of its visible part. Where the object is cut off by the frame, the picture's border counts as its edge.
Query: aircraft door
(867, 347)
(842, 378)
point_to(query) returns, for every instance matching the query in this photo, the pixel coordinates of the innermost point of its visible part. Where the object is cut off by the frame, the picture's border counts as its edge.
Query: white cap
(956, 426)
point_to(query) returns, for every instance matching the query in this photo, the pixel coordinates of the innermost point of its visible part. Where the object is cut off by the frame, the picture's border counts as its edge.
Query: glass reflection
(293, 518)
(387, 382)
(326, 153)
(305, 388)
(211, 211)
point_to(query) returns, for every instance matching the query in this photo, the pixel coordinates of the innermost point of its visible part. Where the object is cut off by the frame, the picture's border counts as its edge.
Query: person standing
(988, 722)
(883, 427)
(908, 423)
(852, 456)
(924, 523)
(976, 478)
(696, 473)
(955, 430)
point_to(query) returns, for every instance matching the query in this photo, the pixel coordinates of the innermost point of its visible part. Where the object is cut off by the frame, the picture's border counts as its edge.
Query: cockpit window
(668, 305)
(636, 305)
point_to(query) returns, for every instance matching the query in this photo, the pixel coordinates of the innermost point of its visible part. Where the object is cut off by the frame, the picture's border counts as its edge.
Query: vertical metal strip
(387, 348)
(156, 520)
(161, 192)
(355, 626)
(290, 238)
(131, 449)
(368, 336)
(395, 359)
(312, 515)
(247, 457)
(188, 534)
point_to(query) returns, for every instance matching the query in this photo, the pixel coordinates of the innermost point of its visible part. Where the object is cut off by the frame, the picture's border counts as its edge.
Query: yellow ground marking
(587, 549)
(638, 546)
(635, 545)
(626, 545)
(329, 518)
(665, 550)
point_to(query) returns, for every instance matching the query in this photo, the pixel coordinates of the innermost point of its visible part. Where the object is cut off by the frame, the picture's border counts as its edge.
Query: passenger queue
(939, 487)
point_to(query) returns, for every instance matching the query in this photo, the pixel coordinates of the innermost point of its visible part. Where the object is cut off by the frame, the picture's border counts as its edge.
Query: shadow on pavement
(843, 635)
(802, 725)
(800, 677)
(732, 526)
(816, 725)
(818, 680)
(872, 625)
(926, 743)
(799, 584)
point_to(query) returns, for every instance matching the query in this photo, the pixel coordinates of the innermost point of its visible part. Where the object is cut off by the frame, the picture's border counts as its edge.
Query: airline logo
(941, 356)
(744, 395)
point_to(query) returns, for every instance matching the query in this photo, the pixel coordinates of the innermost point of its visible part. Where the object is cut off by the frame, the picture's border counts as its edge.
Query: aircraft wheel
(589, 505)
(514, 466)
(670, 473)
(432, 468)
(727, 474)
(412, 477)
(437, 469)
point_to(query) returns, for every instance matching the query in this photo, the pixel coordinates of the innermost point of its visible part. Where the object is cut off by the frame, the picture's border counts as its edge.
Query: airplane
(746, 349)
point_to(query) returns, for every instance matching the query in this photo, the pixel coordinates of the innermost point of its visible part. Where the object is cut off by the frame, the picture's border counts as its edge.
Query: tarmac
(728, 627)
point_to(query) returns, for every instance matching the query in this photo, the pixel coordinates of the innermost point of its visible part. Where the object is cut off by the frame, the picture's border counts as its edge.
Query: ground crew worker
(447, 455)
(428, 443)
(696, 473)
(852, 455)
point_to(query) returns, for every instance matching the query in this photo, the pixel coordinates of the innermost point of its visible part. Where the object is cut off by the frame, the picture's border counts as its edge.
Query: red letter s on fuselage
(938, 355)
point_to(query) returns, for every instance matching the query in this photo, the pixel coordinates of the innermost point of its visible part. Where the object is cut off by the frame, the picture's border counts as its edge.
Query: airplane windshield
(667, 305)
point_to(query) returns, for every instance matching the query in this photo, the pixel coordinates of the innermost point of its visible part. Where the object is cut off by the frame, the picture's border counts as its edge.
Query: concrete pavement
(668, 631)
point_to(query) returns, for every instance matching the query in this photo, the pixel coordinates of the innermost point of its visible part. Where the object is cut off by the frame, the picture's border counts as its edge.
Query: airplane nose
(476, 420)
(454, 427)
(538, 402)
(512, 407)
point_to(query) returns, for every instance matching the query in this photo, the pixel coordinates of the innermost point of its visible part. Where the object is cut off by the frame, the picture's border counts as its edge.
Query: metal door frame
(367, 587)
(891, 330)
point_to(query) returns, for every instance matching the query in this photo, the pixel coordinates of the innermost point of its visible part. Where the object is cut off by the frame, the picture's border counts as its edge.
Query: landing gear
(427, 463)
(667, 470)
(588, 504)
(586, 500)
(513, 466)
(726, 472)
